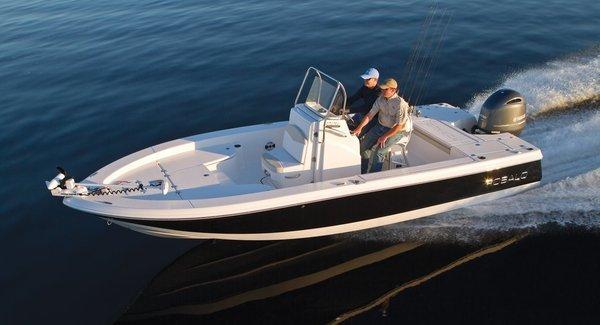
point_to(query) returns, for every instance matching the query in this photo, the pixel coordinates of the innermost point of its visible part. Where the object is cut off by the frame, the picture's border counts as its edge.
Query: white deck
(220, 174)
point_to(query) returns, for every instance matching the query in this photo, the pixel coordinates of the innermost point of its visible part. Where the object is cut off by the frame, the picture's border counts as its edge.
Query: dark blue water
(83, 83)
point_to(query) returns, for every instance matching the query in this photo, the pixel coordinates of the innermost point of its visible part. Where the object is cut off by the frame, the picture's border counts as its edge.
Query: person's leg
(367, 141)
(378, 154)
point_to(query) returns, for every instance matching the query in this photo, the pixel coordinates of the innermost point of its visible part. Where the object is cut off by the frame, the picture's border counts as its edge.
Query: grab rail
(320, 74)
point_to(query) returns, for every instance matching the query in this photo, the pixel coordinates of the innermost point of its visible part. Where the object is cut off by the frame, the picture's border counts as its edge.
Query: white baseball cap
(370, 73)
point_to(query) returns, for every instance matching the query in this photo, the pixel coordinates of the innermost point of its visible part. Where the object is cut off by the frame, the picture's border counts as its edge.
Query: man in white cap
(391, 127)
(368, 93)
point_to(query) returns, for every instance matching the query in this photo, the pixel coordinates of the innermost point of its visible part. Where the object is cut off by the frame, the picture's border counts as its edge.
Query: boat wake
(555, 86)
(564, 121)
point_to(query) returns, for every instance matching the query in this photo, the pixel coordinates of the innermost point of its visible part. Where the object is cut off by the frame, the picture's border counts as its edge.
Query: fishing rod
(407, 73)
(424, 53)
(422, 58)
(417, 43)
(434, 58)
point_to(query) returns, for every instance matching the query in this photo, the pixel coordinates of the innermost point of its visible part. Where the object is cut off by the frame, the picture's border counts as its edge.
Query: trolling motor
(63, 181)
(64, 185)
(56, 181)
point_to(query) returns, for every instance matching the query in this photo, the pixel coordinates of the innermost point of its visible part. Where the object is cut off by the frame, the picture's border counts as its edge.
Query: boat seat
(397, 154)
(295, 142)
(288, 166)
(280, 161)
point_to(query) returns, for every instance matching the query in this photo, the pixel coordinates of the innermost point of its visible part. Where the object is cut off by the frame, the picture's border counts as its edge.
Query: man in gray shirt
(391, 127)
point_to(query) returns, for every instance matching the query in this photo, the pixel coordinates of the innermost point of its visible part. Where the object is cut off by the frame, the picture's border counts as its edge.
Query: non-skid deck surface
(193, 175)
(444, 133)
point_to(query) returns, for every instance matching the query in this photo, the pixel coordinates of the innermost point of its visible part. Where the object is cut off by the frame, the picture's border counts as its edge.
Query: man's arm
(366, 119)
(361, 125)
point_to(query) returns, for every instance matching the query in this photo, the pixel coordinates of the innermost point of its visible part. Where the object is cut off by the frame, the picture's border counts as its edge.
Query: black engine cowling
(503, 111)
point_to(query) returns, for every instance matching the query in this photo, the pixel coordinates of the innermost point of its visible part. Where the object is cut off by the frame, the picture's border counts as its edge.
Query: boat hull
(352, 213)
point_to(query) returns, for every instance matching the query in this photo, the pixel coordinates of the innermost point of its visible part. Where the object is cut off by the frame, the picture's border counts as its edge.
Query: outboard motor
(503, 111)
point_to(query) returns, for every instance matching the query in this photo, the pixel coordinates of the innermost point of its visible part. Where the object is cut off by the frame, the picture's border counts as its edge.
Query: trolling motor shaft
(64, 185)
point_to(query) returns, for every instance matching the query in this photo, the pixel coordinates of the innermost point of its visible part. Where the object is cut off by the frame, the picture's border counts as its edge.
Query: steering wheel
(349, 121)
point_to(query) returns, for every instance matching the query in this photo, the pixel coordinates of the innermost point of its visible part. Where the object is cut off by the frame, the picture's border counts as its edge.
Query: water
(84, 83)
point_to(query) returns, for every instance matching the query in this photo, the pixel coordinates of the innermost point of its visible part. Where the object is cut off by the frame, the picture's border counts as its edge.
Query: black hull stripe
(358, 207)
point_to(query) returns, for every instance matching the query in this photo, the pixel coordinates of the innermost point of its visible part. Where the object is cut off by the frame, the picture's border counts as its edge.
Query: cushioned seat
(294, 142)
(281, 161)
(288, 165)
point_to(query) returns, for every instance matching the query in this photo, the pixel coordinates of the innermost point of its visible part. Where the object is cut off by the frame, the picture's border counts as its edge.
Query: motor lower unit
(503, 111)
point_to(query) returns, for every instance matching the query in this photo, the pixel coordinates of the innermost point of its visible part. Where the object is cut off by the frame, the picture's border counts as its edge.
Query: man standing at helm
(368, 93)
(391, 127)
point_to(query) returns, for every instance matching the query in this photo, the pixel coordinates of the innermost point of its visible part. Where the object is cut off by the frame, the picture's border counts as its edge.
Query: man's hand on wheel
(356, 131)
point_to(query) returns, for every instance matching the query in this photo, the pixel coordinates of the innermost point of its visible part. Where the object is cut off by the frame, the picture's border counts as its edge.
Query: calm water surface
(84, 83)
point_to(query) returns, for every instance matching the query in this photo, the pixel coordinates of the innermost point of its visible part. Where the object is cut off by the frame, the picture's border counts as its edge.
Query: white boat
(301, 178)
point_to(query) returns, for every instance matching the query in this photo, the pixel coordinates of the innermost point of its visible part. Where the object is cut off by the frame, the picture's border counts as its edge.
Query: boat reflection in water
(310, 280)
